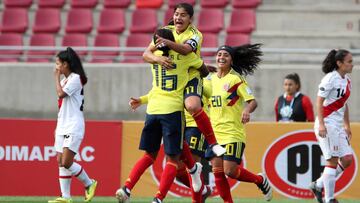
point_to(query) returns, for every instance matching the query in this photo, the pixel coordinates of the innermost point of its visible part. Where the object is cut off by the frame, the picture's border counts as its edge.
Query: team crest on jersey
(226, 86)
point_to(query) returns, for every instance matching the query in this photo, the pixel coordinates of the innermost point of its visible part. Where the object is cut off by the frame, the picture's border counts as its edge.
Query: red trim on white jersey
(338, 104)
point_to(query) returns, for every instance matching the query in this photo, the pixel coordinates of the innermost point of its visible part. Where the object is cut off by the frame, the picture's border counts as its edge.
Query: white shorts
(335, 144)
(70, 141)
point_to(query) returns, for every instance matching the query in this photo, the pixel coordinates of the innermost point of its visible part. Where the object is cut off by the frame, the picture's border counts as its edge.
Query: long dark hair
(187, 7)
(246, 58)
(294, 77)
(75, 65)
(166, 34)
(329, 64)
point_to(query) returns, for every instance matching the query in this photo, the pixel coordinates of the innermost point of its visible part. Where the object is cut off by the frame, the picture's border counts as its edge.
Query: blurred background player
(164, 120)
(293, 105)
(70, 126)
(230, 92)
(332, 124)
(187, 39)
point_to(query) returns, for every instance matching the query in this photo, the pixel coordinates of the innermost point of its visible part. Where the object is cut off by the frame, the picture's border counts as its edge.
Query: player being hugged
(332, 125)
(70, 126)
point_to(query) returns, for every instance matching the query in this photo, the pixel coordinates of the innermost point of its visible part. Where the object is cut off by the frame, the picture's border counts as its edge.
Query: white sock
(80, 174)
(193, 169)
(65, 182)
(320, 181)
(204, 190)
(329, 183)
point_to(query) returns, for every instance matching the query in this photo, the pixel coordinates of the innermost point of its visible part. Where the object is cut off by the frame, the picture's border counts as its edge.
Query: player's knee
(346, 161)
(66, 164)
(192, 105)
(229, 171)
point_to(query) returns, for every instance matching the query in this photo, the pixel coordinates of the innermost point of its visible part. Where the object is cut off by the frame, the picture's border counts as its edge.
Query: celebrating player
(332, 125)
(70, 126)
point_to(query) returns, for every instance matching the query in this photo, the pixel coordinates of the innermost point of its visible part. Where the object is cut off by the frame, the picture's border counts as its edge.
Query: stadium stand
(79, 20)
(111, 21)
(149, 4)
(210, 40)
(105, 40)
(18, 3)
(83, 3)
(237, 39)
(135, 40)
(117, 3)
(168, 16)
(213, 3)
(14, 20)
(143, 21)
(51, 4)
(245, 3)
(242, 21)
(47, 20)
(41, 40)
(172, 3)
(10, 39)
(75, 40)
(211, 20)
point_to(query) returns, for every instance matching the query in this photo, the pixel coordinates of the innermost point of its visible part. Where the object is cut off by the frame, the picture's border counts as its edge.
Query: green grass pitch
(12, 199)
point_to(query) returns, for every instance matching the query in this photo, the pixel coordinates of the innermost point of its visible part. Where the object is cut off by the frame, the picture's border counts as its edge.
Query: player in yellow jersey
(232, 102)
(164, 120)
(188, 39)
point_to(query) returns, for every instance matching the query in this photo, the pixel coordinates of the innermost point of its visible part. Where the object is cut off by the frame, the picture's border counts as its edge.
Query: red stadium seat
(172, 3)
(143, 21)
(210, 40)
(116, 3)
(149, 3)
(245, 3)
(237, 39)
(10, 39)
(51, 4)
(111, 21)
(136, 40)
(105, 40)
(168, 16)
(213, 3)
(242, 21)
(14, 20)
(75, 40)
(47, 20)
(18, 3)
(83, 3)
(211, 20)
(41, 40)
(79, 21)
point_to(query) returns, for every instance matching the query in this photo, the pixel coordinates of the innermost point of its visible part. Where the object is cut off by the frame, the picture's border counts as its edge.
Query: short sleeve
(72, 85)
(325, 87)
(195, 61)
(207, 88)
(194, 42)
(245, 92)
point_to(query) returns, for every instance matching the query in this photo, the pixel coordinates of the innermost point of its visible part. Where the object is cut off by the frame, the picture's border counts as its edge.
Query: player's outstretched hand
(134, 103)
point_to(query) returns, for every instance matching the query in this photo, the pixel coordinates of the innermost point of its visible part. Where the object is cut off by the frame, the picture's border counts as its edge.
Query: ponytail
(330, 62)
(75, 65)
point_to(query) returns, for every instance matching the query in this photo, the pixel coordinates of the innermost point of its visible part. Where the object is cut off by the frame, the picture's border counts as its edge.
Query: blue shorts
(170, 127)
(196, 141)
(234, 152)
(194, 88)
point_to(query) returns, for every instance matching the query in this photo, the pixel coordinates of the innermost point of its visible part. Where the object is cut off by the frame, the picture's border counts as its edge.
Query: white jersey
(70, 117)
(336, 91)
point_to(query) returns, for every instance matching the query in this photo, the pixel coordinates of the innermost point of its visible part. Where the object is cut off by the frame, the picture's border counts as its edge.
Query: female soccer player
(332, 124)
(187, 39)
(163, 121)
(293, 105)
(228, 115)
(70, 124)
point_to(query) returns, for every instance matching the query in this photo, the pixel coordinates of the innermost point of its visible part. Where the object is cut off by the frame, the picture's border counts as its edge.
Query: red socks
(141, 165)
(186, 156)
(204, 125)
(167, 178)
(247, 176)
(222, 185)
(182, 175)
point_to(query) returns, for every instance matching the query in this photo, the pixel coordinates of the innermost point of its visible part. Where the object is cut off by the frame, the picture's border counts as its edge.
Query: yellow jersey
(167, 93)
(228, 98)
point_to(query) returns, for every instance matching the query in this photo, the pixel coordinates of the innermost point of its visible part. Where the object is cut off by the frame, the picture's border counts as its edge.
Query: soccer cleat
(196, 177)
(123, 195)
(61, 200)
(265, 187)
(218, 149)
(90, 191)
(333, 201)
(316, 191)
(156, 200)
(207, 194)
